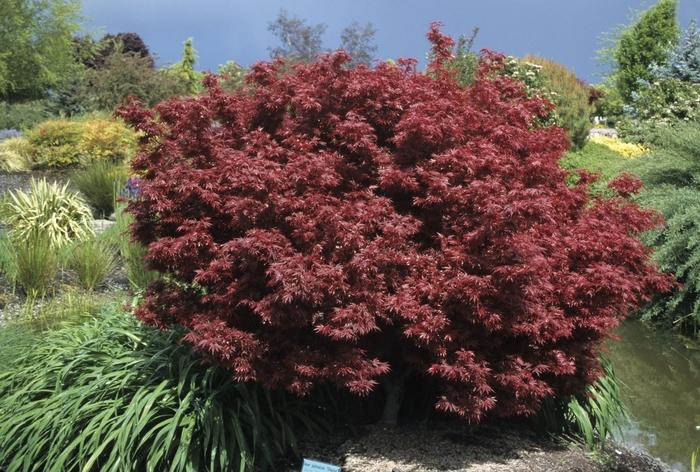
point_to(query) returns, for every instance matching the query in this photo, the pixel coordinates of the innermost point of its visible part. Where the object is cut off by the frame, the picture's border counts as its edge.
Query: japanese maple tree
(356, 225)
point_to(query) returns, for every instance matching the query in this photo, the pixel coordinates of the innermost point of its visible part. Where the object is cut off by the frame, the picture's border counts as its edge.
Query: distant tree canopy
(358, 41)
(130, 43)
(302, 42)
(36, 47)
(644, 44)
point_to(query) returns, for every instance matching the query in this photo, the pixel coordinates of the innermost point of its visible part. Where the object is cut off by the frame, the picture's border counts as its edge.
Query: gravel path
(13, 181)
(451, 449)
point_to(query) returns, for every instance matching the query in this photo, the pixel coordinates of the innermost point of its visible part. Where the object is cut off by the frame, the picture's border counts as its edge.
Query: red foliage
(626, 184)
(334, 224)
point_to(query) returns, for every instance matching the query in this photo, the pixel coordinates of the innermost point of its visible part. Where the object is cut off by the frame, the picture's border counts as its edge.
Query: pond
(661, 388)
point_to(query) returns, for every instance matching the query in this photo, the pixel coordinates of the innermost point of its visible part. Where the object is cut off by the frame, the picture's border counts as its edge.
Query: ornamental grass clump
(362, 225)
(48, 211)
(109, 394)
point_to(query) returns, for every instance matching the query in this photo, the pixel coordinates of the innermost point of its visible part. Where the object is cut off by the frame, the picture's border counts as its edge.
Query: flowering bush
(628, 150)
(657, 106)
(359, 225)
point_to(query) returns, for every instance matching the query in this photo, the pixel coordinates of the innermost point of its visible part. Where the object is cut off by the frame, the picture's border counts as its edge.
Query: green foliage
(48, 211)
(590, 417)
(231, 76)
(684, 60)
(611, 105)
(92, 260)
(15, 340)
(23, 115)
(109, 392)
(36, 50)
(569, 94)
(30, 263)
(7, 259)
(15, 155)
(643, 44)
(531, 76)
(677, 251)
(129, 74)
(596, 158)
(657, 106)
(68, 307)
(192, 78)
(70, 143)
(55, 143)
(99, 182)
(465, 61)
(600, 412)
(671, 176)
(133, 253)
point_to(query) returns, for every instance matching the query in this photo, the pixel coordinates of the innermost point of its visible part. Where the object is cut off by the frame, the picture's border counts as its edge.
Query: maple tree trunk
(394, 386)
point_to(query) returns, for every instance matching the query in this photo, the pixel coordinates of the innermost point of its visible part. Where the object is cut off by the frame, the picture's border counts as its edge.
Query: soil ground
(454, 449)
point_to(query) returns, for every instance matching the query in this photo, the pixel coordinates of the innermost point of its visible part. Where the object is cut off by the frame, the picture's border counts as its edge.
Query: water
(662, 392)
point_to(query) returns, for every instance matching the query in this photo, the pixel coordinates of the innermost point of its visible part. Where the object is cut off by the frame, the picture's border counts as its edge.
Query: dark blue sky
(565, 30)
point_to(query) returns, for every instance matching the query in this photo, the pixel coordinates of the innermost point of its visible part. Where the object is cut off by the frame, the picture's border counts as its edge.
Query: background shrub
(109, 392)
(129, 74)
(659, 105)
(37, 50)
(55, 143)
(106, 139)
(48, 210)
(23, 115)
(427, 229)
(670, 174)
(570, 95)
(69, 143)
(683, 62)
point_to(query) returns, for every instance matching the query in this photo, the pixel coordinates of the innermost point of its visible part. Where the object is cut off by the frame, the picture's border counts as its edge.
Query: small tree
(363, 225)
(300, 42)
(643, 44)
(358, 41)
(183, 71)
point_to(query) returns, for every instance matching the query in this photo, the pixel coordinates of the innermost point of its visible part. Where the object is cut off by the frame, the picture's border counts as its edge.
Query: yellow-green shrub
(106, 139)
(628, 150)
(15, 155)
(69, 143)
(569, 94)
(55, 143)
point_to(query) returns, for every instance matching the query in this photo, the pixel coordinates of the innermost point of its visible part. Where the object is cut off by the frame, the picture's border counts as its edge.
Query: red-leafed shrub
(355, 225)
